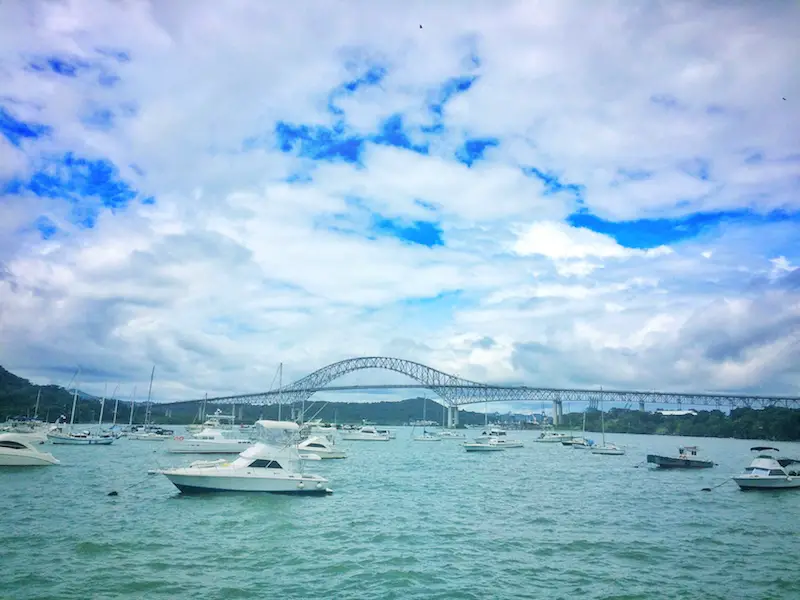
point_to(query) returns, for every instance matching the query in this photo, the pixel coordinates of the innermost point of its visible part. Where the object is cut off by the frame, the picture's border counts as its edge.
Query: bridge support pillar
(558, 412)
(641, 405)
(452, 417)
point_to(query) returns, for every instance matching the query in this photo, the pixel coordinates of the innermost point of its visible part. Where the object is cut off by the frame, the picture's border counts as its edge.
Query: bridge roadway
(455, 391)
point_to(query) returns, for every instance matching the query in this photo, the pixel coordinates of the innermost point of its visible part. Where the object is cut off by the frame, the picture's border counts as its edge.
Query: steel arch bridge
(456, 391)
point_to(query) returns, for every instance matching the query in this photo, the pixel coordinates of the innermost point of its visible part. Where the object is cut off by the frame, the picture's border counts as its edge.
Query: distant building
(676, 413)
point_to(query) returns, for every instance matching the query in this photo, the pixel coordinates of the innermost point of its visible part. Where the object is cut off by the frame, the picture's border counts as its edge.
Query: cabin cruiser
(392, 435)
(582, 443)
(316, 426)
(504, 442)
(367, 434)
(208, 441)
(17, 451)
(30, 429)
(272, 465)
(322, 446)
(493, 432)
(769, 473)
(552, 437)
(686, 459)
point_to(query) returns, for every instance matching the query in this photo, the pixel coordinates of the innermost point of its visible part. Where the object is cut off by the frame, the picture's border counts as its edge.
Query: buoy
(113, 493)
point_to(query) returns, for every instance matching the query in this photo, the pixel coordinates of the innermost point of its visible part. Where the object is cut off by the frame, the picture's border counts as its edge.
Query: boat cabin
(687, 451)
(265, 463)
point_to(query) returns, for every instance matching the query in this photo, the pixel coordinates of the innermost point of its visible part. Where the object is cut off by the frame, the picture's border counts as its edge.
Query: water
(407, 520)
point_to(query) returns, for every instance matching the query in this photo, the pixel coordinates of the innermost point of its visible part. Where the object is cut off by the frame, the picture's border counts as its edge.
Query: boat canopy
(763, 448)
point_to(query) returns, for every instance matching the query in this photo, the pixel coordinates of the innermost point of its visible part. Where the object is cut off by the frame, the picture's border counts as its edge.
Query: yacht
(769, 473)
(17, 451)
(367, 434)
(494, 432)
(322, 446)
(392, 435)
(208, 441)
(270, 466)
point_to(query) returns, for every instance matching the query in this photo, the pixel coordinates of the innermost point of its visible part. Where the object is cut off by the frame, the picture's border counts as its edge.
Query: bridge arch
(448, 387)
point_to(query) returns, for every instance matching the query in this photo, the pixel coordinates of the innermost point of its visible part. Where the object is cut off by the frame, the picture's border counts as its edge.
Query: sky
(552, 193)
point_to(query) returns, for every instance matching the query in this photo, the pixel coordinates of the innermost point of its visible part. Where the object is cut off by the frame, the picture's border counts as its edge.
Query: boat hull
(356, 438)
(669, 462)
(747, 482)
(206, 483)
(482, 448)
(608, 451)
(27, 459)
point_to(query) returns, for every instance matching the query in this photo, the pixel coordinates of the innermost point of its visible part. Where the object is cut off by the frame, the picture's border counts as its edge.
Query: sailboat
(150, 432)
(84, 438)
(426, 437)
(608, 449)
(582, 443)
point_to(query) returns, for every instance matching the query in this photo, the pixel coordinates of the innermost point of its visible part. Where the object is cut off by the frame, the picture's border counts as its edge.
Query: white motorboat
(769, 473)
(482, 447)
(494, 432)
(606, 449)
(322, 446)
(151, 434)
(208, 441)
(504, 442)
(447, 434)
(552, 437)
(366, 434)
(271, 466)
(17, 451)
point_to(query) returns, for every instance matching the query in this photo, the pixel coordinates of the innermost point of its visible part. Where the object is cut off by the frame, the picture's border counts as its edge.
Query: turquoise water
(406, 520)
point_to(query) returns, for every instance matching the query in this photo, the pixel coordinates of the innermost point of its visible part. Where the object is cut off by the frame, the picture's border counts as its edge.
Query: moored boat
(686, 459)
(17, 451)
(767, 472)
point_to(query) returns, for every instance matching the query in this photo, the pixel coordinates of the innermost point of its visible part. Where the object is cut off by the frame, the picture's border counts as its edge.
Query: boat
(150, 433)
(57, 435)
(321, 445)
(767, 472)
(606, 449)
(392, 435)
(504, 442)
(366, 434)
(17, 451)
(270, 466)
(447, 434)
(426, 435)
(686, 459)
(582, 443)
(482, 447)
(208, 441)
(552, 437)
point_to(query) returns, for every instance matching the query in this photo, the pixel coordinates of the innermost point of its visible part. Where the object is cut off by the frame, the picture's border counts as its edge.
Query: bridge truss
(455, 391)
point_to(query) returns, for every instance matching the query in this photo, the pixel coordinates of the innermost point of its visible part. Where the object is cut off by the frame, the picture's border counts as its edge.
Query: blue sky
(490, 195)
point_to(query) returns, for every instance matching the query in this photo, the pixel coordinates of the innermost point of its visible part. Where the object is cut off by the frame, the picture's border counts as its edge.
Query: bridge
(456, 391)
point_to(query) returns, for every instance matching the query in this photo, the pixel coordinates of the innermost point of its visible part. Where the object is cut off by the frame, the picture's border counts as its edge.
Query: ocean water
(406, 520)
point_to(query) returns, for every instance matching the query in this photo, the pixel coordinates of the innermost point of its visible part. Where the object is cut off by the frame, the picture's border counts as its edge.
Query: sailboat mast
(280, 389)
(149, 408)
(603, 421)
(36, 409)
(103, 404)
(116, 405)
(133, 405)
(74, 403)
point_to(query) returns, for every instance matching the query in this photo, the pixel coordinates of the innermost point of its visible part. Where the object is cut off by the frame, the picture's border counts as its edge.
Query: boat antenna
(36, 409)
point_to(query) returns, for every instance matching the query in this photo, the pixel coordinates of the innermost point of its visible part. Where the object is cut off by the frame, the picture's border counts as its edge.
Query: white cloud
(233, 269)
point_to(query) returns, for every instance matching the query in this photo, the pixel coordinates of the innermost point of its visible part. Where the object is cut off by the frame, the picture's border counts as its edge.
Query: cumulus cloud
(215, 191)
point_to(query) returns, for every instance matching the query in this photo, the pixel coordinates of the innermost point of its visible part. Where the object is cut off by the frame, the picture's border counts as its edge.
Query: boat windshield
(12, 445)
(265, 464)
